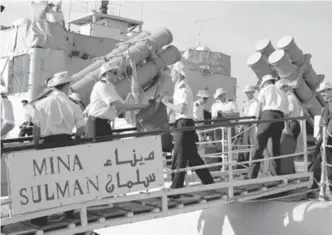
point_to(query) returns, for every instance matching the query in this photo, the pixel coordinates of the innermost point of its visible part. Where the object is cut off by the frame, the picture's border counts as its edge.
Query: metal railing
(229, 184)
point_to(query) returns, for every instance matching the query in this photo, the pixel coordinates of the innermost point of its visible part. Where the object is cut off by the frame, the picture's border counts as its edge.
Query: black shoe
(178, 196)
(70, 214)
(41, 221)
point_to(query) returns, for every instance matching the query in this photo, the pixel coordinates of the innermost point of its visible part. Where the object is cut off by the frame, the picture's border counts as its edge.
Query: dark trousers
(26, 130)
(265, 131)
(185, 152)
(102, 127)
(53, 142)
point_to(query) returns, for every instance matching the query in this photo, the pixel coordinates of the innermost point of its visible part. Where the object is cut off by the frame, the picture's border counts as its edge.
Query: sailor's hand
(165, 100)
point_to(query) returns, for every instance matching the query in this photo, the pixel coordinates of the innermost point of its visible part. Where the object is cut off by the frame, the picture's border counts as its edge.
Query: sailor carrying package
(154, 117)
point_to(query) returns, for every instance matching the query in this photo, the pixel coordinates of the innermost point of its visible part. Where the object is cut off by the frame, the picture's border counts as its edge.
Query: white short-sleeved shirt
(183, 95)
(102, 96)
(198, 111)
(272, 98)
(295, 109)
(7, 113)
(57, 114)
(250, 107)
(227, 107)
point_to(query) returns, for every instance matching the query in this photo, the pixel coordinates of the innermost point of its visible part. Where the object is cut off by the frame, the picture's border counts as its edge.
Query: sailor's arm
(79, 121)
(109, 95)
(182, 100)
(122, 106)
(260, 103)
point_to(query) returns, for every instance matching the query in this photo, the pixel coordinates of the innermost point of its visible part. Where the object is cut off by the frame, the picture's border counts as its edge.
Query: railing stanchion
(230, 161)
(222, 142)
(323, 185)
(305, 146)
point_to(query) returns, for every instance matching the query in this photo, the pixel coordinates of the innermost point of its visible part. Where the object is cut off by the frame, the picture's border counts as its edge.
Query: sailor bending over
(185, 149)
(54, 117)
(273, 105)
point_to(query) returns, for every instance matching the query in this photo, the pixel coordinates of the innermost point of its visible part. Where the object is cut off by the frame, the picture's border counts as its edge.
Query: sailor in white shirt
(54, 117)
(295, 107)
(105, 103)
(222, 107)
(199, 104)
(7, 114)
(249, 109)
(273, 105)
(292, 127)
(185, 149)
(250, 105)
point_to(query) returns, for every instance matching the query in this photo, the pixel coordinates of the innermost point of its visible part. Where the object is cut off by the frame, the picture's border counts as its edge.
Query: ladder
(160, 201)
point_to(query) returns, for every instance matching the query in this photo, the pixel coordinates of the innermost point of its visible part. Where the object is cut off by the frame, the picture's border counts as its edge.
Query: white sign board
(42, 179)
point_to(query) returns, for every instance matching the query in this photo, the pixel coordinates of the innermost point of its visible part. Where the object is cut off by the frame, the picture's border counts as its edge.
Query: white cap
(219, 91)
(267, 78)
(58, 79)
(248, 88)
(107, 67)
(179, 67)
(325, 85)
(203, 94)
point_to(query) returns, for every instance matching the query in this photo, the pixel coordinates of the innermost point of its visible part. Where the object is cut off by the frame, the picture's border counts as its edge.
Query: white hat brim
(51, 83)
(216, 95)
(248, 90)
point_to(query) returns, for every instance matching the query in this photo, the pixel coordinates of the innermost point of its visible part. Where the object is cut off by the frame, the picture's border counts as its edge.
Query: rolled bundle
(288, 45)
(303, 92)
(139, 52)
(259, 64)
(144, 74)
(265, 47)
(120, 47)
(283, 65)
(149, 70)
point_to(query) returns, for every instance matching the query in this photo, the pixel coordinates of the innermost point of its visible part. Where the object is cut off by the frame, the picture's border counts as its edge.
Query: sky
(232, 28)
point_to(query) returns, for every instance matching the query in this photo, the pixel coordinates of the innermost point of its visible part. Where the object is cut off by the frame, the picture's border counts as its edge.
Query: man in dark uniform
(185, 149)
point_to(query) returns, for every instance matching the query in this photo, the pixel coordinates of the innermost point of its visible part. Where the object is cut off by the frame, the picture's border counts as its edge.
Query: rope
(242, 132)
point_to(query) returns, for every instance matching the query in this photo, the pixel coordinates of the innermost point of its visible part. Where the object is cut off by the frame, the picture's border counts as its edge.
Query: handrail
(157, 132)
(30, 138)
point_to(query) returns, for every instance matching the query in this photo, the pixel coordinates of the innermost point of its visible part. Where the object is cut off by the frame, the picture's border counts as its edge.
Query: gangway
(122, 203)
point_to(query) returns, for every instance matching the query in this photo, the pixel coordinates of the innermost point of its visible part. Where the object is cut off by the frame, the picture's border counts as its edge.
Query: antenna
(201, 22)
